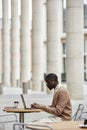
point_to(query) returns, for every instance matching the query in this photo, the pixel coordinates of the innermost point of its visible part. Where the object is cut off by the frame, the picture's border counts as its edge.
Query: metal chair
(78, 113)
(2, 127)
(7, 121)
(84, 116)
(23, 126)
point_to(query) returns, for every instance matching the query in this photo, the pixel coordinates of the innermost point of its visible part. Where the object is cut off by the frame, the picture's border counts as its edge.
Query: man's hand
(36, 105)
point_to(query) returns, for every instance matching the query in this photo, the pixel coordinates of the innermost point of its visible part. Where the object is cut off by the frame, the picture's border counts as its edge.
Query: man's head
(51, 80)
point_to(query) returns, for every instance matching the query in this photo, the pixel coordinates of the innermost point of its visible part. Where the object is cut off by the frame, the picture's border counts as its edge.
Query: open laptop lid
(24, 104)
(23, 101)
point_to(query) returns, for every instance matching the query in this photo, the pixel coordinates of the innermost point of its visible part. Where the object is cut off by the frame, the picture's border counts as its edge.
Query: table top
(61, 125)
(21, 110)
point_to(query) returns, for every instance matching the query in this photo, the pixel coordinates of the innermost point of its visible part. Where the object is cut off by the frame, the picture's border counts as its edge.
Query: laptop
(24, 104)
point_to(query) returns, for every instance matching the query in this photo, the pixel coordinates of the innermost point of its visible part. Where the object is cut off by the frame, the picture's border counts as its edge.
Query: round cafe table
(21, 112)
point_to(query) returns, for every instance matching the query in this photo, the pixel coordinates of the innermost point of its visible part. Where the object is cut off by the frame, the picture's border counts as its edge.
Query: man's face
(50, 84)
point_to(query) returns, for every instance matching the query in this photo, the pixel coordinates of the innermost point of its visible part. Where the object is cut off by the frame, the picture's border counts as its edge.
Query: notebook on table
(9, 108)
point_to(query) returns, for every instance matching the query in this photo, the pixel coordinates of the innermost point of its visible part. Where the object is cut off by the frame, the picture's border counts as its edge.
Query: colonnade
(19, 57)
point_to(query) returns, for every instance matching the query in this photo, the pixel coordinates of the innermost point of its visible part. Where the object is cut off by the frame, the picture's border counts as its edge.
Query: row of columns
(21, 51)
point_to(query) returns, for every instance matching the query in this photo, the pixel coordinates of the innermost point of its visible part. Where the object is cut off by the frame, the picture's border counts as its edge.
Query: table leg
(21, 117)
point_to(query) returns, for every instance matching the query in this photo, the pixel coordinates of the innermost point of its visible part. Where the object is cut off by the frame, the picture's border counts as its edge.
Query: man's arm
(60, 105)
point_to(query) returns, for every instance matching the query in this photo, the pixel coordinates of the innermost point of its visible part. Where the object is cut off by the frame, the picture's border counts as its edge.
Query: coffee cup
(16, 104)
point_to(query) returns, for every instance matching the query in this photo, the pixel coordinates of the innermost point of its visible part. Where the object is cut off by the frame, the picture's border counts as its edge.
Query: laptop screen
(24, 104)
(23, 101)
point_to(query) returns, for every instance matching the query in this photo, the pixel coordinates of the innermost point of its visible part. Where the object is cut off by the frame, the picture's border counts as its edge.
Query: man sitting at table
(61, 108)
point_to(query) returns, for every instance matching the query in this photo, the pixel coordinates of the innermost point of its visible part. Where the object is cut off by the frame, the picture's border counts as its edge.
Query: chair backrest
(84, 116)
(2, 127)
(6, 118)
(78, 113)
(23, 126)
(7, 121)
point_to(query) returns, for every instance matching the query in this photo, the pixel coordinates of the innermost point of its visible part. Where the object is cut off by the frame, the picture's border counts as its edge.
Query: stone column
(1, 89)
(25, 42)
(54, 31)
(45, 35)
(5, 44)
(85, 54)
(37, 44)
(74, 47)
(15, 43)
(0, 55)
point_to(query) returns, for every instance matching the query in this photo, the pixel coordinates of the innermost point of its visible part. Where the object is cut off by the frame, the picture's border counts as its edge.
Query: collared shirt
(56, 89)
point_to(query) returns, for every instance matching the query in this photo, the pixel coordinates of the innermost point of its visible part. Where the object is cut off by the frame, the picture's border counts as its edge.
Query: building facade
(53, 40)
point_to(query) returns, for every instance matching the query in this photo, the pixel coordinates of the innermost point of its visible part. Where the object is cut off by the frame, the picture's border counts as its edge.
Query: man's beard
(50, 86)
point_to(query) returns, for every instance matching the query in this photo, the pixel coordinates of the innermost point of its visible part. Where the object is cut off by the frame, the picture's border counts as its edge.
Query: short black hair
(51, 76)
